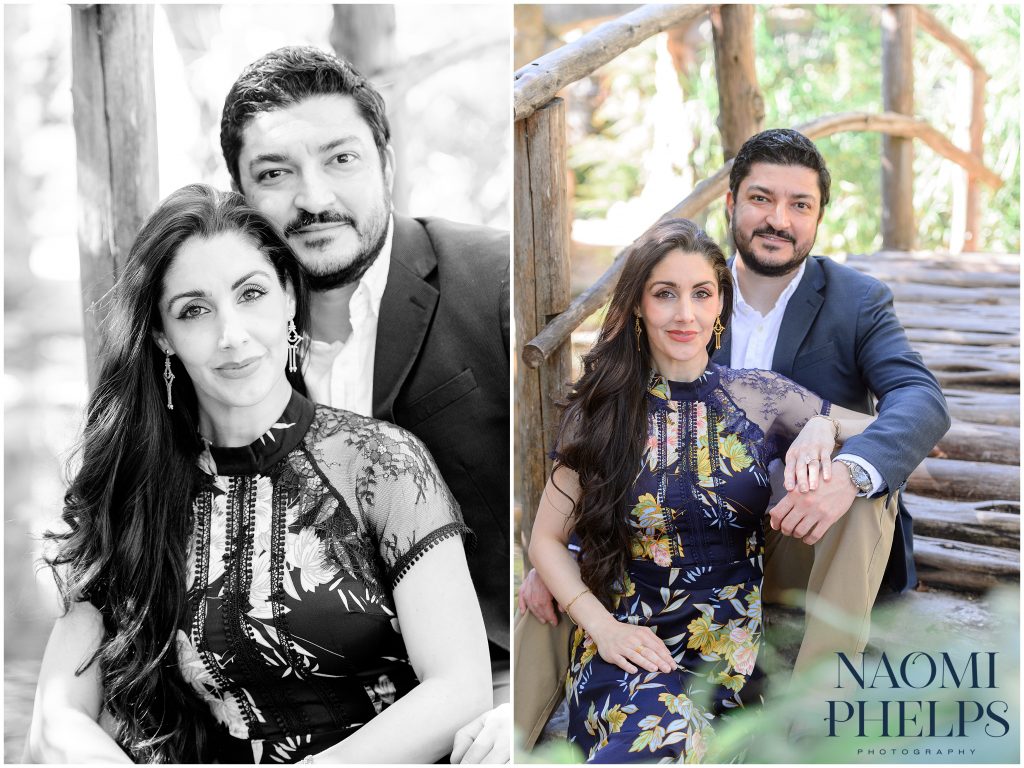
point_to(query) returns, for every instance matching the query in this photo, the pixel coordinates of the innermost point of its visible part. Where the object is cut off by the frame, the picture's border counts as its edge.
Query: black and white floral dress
(298, 542)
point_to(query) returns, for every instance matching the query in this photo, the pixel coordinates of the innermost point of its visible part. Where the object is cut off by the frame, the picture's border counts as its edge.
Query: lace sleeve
(403, 499)
(780, 407)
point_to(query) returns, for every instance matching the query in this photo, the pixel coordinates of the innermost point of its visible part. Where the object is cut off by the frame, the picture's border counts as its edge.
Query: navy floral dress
(299, 540)
(696, 511)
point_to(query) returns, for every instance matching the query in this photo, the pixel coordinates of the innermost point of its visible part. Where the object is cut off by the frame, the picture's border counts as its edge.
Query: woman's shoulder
(755, 377)
(337, 431)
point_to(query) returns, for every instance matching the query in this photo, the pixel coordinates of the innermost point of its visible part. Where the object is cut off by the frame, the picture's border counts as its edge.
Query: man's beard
(752, 262)
(373, 233)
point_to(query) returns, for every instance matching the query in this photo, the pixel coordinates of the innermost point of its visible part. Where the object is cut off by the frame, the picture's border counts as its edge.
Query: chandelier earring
(168, 378)
(637, 329)
(293, 346)
(718, 328)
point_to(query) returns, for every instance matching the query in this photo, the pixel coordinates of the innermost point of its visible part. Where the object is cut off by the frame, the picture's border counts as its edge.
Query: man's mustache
(305, 219)
(771, 232)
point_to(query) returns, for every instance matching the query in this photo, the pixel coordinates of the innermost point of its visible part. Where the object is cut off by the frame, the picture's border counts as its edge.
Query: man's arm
(912, 413)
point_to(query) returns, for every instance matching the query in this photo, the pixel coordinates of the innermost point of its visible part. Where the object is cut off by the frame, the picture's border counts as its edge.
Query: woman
(661, 476)
(247, 576)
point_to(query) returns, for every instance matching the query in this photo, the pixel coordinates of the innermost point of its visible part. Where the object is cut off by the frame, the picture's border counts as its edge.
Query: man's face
(313, 169)
(775, 217)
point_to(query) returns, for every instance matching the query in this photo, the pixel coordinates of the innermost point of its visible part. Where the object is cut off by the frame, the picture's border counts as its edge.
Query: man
(833, 330)
(420, 303)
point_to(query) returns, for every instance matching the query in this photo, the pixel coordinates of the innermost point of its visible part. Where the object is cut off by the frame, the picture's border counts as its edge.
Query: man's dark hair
(287, 76)
(780, 146)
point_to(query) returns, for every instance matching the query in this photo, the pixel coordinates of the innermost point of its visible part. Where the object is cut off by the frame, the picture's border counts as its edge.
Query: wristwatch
(858, 476)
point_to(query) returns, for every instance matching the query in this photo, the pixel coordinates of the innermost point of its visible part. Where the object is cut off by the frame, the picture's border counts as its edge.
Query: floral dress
(696, 512)
(298, 543)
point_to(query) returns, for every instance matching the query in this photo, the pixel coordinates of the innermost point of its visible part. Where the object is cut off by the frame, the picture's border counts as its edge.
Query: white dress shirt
(341, 374)
(754, 338)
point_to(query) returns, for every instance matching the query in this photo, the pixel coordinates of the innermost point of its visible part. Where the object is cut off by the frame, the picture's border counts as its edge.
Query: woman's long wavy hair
(605, 417)
(129, 507)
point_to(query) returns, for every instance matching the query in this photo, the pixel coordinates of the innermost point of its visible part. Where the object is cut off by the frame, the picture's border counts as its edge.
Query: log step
(978, 262)
(966, 338)
(925, 293)
(962, 278)
(962, 566)
(999, 319)
(984, 407)
(980, 442)
(988, 523)
(965, 480)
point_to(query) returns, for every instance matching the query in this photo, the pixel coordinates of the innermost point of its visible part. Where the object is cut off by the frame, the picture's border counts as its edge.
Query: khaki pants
(541, 659)
(840, 575)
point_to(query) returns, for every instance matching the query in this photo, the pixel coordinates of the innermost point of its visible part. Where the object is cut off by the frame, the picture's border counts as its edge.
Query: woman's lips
(240, 369)
(683, 336)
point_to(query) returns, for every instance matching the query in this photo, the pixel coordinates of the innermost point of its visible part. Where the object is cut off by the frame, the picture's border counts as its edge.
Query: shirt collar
(740, 304)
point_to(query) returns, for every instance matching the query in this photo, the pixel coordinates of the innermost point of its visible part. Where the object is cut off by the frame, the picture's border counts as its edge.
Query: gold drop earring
(638, 330)
(718, 328)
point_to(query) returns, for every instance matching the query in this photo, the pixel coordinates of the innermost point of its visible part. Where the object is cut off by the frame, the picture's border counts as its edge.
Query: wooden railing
(544, 314)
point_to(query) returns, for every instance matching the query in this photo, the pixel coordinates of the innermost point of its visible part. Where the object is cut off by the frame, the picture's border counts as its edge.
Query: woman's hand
(630, 646)
(809, 454)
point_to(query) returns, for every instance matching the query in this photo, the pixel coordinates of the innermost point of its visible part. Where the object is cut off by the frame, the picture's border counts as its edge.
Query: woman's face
(225, 315)
(679, 305)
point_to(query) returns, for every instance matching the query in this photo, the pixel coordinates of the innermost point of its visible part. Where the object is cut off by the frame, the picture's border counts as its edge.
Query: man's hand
(535, 597)
(486, 739)
(807, 516)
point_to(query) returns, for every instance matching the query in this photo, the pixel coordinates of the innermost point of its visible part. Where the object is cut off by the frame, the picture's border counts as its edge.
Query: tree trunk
(115, 135)
(741, 106)
(364, 35)
(898, 153)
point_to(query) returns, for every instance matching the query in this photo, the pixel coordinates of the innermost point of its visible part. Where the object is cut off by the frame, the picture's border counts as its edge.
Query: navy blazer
(840, 338)
(441, 370)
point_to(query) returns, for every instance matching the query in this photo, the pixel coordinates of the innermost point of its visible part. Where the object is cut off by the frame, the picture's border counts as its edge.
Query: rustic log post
(115, 136)
(740, 104)
(542, 292)
(898, 153)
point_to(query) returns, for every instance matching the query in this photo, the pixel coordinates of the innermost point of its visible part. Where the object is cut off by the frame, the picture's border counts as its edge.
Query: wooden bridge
(960, 311)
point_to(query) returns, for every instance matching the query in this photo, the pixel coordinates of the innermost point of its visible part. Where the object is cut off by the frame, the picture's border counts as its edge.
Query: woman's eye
(702, 294)
(191, 311)
(252, 292)
(664, 295)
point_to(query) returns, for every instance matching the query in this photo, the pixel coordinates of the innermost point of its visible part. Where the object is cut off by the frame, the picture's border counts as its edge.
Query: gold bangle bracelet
(581, 594)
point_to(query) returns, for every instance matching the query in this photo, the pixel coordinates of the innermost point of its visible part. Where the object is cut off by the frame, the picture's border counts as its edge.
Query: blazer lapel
(406, 309)
(800, 312)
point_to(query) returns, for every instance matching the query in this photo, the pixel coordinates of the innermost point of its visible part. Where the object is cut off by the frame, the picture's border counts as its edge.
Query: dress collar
(664, 389)
(269, 448)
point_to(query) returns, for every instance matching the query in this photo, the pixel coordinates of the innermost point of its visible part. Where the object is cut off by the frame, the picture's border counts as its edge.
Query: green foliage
(812, 61)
